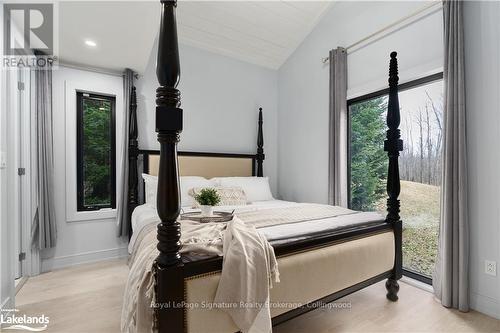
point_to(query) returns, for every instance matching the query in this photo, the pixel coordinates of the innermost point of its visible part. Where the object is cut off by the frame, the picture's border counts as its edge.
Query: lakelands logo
(23, 322)
(29, 39)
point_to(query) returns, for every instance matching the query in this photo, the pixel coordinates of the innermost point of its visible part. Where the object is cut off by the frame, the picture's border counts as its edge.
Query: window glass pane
(368, 159)
(96, 152)
(419, 165)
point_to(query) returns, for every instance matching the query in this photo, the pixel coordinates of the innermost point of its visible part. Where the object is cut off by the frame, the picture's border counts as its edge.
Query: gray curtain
(451, 280)
(44, 228)
(122, 203)
(337, 170)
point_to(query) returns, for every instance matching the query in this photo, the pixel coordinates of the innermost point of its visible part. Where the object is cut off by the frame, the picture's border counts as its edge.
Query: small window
(96, 173)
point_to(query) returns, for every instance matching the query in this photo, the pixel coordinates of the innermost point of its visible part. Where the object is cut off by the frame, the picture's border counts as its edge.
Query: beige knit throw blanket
(249, 265)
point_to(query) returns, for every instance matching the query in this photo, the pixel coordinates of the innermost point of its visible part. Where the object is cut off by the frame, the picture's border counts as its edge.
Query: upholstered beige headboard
(206, 165)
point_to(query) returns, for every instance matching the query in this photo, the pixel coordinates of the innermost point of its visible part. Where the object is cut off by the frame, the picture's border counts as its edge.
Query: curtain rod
(93, 69)
(401, 20)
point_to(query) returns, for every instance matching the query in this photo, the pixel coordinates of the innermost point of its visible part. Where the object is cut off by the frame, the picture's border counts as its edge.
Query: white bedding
(146, 214)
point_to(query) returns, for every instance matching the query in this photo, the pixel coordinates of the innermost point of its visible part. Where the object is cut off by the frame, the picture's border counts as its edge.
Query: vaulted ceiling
(260, 32)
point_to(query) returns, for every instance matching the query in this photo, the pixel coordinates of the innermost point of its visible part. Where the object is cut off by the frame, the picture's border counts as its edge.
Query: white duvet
(146, 214)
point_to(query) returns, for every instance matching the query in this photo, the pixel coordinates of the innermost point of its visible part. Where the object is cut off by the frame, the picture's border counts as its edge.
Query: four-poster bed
(342, 261)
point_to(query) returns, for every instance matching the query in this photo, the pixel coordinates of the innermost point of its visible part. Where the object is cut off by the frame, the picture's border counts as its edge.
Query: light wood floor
(88, 298)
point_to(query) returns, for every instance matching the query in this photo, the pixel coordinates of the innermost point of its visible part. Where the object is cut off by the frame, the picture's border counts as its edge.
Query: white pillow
(150, 188)
(256, 188)
(189, 182)
(186, 182)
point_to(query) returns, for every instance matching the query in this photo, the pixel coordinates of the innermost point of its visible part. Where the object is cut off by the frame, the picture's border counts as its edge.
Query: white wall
(89, 238)
(6, 246)
(303, 82)
(9, 188)
(220, 97)
(482, 63)
(6, 253)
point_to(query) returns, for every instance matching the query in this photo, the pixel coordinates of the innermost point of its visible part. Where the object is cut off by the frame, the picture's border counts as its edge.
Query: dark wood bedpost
(133, 151)
(260, 147)
(168, 265)
(393, 145)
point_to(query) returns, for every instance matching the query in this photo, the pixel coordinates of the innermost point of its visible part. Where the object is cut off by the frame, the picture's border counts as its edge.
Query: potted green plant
(207, 198)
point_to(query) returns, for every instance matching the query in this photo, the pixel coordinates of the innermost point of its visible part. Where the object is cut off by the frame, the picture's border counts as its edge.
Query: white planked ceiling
(260, 32)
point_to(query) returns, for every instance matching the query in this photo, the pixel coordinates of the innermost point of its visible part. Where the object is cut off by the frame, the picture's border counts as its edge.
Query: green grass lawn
(420, 216)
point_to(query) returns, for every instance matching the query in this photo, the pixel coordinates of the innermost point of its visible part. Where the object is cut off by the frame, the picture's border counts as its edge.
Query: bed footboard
(338, 270)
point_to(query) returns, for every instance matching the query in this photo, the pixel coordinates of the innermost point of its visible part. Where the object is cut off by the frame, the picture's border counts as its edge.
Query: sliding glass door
(421, 104)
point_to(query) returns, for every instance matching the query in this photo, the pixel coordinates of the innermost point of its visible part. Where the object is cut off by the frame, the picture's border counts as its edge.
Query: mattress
(144, 215)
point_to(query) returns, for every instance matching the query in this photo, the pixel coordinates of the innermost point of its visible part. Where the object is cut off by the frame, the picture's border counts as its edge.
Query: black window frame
(79, 151)
(380, 93)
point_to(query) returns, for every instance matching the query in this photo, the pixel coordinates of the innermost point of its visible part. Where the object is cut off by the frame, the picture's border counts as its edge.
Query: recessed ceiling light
(90, 43)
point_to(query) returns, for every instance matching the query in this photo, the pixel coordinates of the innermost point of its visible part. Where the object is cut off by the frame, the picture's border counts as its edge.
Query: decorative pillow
(186, 182)
(256, 188)
(229, 196)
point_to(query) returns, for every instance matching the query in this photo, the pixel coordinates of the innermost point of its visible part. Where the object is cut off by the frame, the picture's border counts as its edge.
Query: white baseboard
(485, 304)
(50, 264)
(480, 303)
(4, 303)
(7, 305)
(20, 283)
(7, 310)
